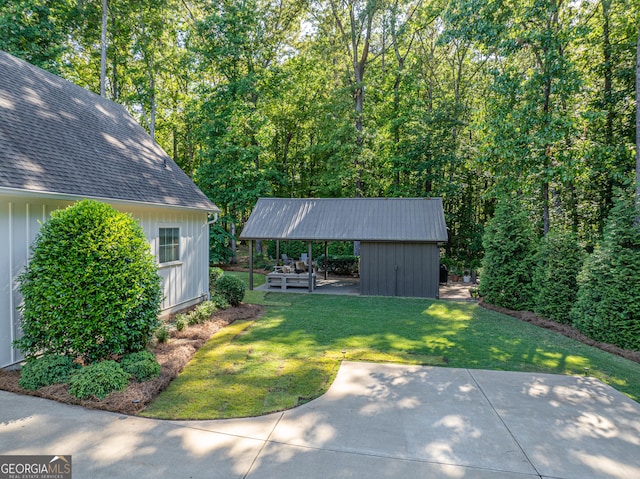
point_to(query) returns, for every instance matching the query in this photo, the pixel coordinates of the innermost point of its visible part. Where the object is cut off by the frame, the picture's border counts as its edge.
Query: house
(399, 237)
(60, 143)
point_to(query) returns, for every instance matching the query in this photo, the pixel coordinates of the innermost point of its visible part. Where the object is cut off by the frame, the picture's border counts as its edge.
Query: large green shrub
(231, 288)
(559, 261)
(608, 302)
(46, 370)
(508, 264)
(99, 380)
(91, 287)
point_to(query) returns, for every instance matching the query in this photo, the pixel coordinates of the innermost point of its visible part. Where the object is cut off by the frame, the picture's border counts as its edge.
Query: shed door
(400, 269)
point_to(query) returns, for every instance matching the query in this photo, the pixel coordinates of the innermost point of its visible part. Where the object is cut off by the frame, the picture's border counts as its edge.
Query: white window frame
(173, 261)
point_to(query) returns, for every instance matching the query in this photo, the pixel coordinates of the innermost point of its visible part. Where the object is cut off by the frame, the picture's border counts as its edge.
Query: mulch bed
(173, 356)
(564, 329)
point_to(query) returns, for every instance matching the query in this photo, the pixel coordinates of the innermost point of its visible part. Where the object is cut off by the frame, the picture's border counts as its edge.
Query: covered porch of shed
(399, 240)
(290, 278)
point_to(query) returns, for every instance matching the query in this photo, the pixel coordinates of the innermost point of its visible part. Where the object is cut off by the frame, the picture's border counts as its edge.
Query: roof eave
(120, 201)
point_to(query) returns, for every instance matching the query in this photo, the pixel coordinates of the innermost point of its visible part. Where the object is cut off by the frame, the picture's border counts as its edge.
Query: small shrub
(136, 357)
(162, 334)
(205, 310)
(219, 301)
(46, 370)
(141, 365)
(192, 318)
(231, 288)
(181, 321)
(215, 274)
(99, 380)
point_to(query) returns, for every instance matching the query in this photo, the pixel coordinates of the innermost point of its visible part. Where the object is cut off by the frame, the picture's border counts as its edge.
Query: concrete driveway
(376, 421)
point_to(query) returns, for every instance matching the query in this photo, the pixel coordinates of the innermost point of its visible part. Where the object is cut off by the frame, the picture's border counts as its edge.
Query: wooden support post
(310, 267)
(250, 265)
(277, 251)
(326, 258)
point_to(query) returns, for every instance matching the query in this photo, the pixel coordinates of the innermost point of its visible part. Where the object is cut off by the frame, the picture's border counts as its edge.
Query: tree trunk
(234, 249)
(103, 51)
(637, 198)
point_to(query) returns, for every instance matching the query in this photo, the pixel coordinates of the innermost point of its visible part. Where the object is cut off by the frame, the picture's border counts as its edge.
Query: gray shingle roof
(56, 137)
(337, 219)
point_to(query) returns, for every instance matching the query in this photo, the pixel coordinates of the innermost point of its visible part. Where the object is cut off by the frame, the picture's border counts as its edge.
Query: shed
(60, 143)
(399, 237)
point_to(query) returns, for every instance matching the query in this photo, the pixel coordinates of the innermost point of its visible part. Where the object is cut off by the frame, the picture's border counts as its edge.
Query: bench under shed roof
(347, 219)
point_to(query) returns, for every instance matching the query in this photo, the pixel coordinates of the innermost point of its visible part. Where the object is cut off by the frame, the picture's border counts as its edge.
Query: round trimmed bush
(99, 380)
(46, 370)
(91, 288)
(231, 288)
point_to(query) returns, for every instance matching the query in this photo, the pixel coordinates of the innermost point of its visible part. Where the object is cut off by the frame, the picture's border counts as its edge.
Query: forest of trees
(474, 101)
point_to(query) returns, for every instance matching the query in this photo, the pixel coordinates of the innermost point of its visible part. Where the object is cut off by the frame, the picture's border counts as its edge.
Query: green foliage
(91, 287)
(205, 310)
(192, 318)
(46, 370)
(181, 321)
(295, 249)
(340, 265)
(162, 334)
(232, 289)
(99, 380)
(200, 314)
(559, 261)
(608, 302)
(215, 274)
(219, 300)
(35, 31)
(142, 365)
(219, 244)
(508, 263)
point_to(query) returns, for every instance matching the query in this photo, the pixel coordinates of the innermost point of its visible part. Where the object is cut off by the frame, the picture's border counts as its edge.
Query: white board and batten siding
(185, 282)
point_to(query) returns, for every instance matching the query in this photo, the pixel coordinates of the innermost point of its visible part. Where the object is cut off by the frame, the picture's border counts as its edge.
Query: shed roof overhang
(347, 219)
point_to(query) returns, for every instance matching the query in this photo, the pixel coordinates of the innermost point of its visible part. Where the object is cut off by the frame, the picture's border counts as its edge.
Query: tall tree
(35, 30)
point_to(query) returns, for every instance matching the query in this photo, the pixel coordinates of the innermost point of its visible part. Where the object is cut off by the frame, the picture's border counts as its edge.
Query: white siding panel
(6, 283)
(184, 283)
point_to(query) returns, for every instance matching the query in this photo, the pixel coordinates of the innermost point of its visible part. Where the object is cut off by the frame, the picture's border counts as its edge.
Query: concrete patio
(344, 285)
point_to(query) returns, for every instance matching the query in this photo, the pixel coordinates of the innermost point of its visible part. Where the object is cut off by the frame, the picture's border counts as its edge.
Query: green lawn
(291, 354)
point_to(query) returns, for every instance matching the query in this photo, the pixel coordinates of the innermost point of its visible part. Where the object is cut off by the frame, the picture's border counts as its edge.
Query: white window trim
(180, 242)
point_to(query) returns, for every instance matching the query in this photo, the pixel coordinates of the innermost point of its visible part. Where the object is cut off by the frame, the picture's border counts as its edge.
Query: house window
(169, 245)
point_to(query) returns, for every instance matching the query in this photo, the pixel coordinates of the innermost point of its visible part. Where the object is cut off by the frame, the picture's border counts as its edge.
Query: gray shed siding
(399, 269)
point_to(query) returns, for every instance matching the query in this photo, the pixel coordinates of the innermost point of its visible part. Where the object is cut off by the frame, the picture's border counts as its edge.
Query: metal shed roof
(347, 219)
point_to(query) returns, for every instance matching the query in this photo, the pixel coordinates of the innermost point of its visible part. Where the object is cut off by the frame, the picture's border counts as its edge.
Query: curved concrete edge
(376, 420)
